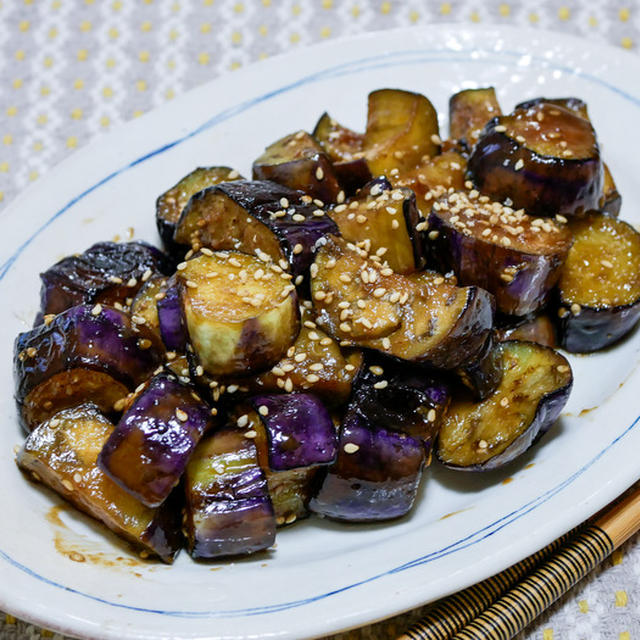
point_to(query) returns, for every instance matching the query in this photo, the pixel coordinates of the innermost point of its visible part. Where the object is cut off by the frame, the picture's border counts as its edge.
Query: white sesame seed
(518, 165)
(183, 416)
(319, 173)
(97, 310)
(350, 447)
(298, 248)
(243, 420)
(263, 410)
(251, 433)
(381, 385)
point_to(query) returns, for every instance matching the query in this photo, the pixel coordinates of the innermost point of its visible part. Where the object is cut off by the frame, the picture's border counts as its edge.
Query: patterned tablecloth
(72, 69)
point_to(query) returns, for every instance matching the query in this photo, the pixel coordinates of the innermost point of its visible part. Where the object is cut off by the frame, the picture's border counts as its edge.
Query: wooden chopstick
(503, 605)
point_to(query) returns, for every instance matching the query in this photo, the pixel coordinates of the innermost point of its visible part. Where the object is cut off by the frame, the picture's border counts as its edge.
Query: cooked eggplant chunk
(447, 170)
(170, 204)
(241, 315)
(469, 112)
(402, 127)
(84, 354)
(385, 222)
(419, 317)
(514, 256)
(483, 375)
(544, 159)
(258, 217)
(299, 430)
(297, 161)
(171, 318)
(375, 477)
(537, 328)
(611, 200)
(295, 436)
(599, 288)
(314, 363)
(339, 143)
(535, 386)
(145, 303)
(151, 445)
(401, 397)
(107, 272)
(577, 106)
(62, 453)
(228, 509)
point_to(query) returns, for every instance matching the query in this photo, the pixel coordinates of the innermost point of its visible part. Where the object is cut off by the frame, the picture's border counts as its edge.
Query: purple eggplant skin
(483, 263)
(352, 175)
(88, 338)
(544, 186)
(578, 106)
(260, 199)
(148, 451)
(375, 477)
(483, 375)
(299, 429)
(171, 319)
(106, 272)
(228, 509)
(412, 401)
(594, 329)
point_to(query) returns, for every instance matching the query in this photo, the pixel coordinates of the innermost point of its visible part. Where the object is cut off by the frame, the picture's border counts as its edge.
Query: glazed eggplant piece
(297, 161)
(313, 363)
(434, 176)
(148, 451)
(544, 159)
(402, 127)
(85, 354)
(469, 112)
(536, 328)
(295, 436)
(420, 317)
(376, 474)
(145, 304)
(576, 105)
(483, 375)
(401, 397)
(386, 223)
(514, 256)
(340, 143)
(171, 322)
(258, 217)
(241, 316)
(107, 272)
(170, 204)
(599, 289)
(535, 386)
(228, 509)
(62, 454)
(611, 200)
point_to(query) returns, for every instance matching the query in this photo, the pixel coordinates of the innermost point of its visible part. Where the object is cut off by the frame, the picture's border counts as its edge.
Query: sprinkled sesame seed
(563, 368)
(297, 217)
(340, 197)
(351, 447)
(288, 385)
(606, 263)
(518, 165)
(504, 402)
(433, 234)
(97, 310)
(66, 484)
(298, 248)
(576, 309)
(251, 433)
(312, 378)
(436, 139)
(483, 444)
(379, 292)
(500, 128)
(345, 326)
(319, 173)
(243, 420)
(345, 277)
(381, 385)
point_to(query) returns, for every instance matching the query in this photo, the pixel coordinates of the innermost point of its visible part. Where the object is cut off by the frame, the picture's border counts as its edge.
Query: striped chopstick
(503, 605)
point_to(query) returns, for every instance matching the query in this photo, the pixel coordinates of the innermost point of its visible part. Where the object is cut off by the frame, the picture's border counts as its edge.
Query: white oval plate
(323, 576)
